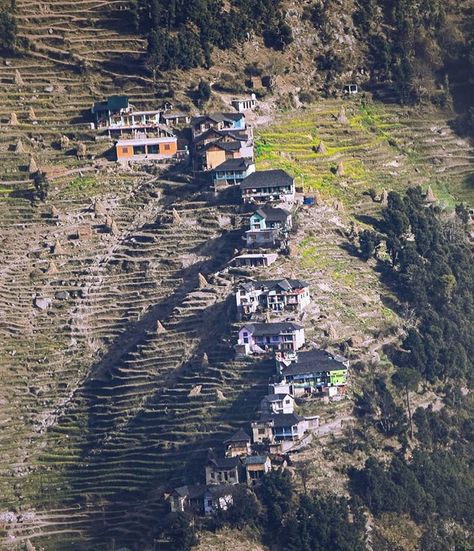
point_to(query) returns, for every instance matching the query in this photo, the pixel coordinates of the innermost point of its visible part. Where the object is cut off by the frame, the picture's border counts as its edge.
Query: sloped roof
(234, 164)
(314, 361)
(191, 491)
(275, 284)
(239, 436)
(113, 103)
(225, 462)
(273, 214)
(264, 329)
(275, 397)
(267, 178)
(255, 460)
(236, 133)
(226, 146)
(282, 419)
(217, 117)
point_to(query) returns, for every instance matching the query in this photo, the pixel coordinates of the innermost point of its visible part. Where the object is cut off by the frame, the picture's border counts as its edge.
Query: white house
(277, 403)
(244, 104)
(261, 337)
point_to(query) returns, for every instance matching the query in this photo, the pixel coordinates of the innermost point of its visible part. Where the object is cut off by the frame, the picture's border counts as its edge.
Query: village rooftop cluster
(220, 146)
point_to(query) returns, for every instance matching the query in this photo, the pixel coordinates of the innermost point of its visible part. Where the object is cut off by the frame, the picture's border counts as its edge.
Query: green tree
(181, 532)
(369, 243)
(41, 184)
(407, 379)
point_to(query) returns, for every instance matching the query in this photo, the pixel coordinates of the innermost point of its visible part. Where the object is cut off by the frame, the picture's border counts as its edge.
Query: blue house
(232, 171)
(268, 217)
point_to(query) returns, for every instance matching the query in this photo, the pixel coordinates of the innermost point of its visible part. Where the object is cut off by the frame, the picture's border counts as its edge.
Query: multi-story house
(217, 121)
(269, 228)
(315, 371)
(224, 470)
(276, 295)
(277, 403)
(232, 172)
(279, 427)
(261, 337)
(268, 186)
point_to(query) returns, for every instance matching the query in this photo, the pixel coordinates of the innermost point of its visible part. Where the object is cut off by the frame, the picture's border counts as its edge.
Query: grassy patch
(82, 185)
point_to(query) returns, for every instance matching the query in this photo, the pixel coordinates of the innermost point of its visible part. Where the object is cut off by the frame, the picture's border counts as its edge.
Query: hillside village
(185, 312)
(219, 149)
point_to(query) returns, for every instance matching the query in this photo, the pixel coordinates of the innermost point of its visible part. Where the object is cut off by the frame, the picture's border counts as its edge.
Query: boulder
(42, 303)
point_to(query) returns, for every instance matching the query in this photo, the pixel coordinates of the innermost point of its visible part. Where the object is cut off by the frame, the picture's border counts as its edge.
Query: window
(167, 147)
(139, 150)
(209, 502)
(125, 150)
(153, 149)
(261, 431)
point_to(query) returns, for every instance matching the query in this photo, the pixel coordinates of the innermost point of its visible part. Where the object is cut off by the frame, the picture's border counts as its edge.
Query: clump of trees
(182, 34)
(432, 268)
(284, 519)
(8, 28)
(435, 486)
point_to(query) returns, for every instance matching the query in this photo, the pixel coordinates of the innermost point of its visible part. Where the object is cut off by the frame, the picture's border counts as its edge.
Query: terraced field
(106, 338)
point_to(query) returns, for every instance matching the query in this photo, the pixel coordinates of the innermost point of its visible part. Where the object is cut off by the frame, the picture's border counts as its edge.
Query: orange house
(146, 149)
(218, 152)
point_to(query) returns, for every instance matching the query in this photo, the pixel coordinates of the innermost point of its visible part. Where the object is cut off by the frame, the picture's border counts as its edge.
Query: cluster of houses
(222, 149)
(160, 134)
(279, 429)
(242, 464)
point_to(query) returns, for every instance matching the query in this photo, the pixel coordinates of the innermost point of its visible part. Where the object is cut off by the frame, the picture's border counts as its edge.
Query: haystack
(58, 248)
(32, 115)
(81, 150)
(430, 196)
(19, 147)
(202, 281)
(32, 167)
(13, 119)
(52, 268)
(18, 80)
(176, 217)
(195, 391)
(64, 142)
(342, 117)
(160, 328)
(384, 197)
(321, 148)
(340, 169)
(99, 209)
(205, 360)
